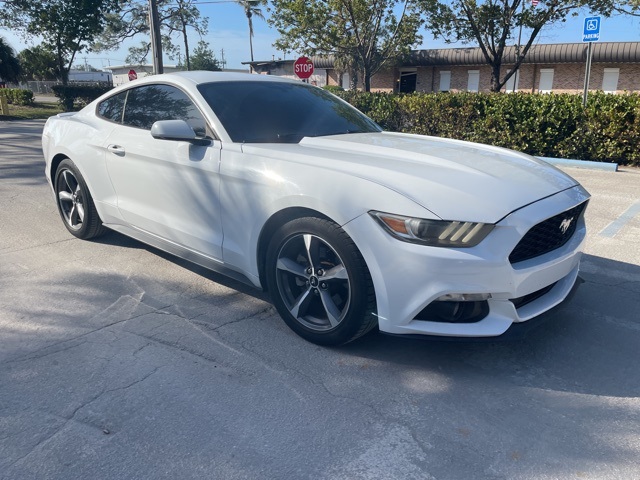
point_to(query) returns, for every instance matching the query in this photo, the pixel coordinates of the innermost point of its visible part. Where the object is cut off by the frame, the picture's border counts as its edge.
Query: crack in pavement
(31, 247)
(71, 418)
(33, 355)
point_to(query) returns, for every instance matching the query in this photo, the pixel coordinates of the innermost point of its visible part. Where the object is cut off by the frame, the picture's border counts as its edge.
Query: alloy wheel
(313, 282)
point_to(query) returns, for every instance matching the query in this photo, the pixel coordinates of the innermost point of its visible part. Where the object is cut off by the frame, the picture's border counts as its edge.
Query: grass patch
(35, 111)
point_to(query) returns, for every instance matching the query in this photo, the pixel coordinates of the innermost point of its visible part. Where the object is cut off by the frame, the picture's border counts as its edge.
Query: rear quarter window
(112, 107)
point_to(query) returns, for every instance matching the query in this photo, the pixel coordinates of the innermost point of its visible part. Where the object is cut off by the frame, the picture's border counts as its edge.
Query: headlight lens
(436, 233)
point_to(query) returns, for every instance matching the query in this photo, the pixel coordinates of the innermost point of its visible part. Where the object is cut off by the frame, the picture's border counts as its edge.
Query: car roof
(200, 76)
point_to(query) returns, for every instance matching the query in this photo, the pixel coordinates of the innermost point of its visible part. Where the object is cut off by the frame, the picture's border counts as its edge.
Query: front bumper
(408, 277)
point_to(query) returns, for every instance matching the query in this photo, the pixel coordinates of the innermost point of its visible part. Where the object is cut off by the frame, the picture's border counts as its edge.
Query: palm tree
(251, 8)
(9, 64)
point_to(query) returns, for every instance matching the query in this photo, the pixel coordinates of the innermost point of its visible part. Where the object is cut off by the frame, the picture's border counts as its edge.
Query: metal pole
(156, 39)
(518, 49)
(587, 75)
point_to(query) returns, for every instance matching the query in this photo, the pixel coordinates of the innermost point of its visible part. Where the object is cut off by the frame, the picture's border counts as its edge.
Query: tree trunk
(495, 77)
(366, 73)
(250, 33)
(186, 46)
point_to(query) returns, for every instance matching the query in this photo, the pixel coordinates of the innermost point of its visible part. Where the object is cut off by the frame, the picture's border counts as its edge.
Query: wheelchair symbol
(592, 25)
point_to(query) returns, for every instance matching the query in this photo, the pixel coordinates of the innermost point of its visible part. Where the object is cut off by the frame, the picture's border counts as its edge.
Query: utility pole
(515, 75)
(156, 40)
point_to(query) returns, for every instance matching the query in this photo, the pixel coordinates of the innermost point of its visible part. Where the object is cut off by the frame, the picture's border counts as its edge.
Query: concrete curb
(609, 167)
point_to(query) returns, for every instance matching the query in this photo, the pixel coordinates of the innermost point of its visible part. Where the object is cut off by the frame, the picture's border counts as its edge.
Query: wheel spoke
(311, 245)
(73, 216)
(65, 196)
(291, 266)
(302, 304)
(70, 180)
(333, 313)
(336, 273)
(80, 210)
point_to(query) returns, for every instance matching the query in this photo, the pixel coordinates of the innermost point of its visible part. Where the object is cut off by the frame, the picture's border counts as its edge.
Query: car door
(166, 188)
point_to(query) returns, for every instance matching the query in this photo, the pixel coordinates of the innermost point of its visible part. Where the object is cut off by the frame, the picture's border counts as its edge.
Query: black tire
(75, 205)
(319, 282)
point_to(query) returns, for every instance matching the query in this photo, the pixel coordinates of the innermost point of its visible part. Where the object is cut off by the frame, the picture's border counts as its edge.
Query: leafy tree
(39, 63)
(182, 15)
(492, 24)
(252, 9)
(9, 64)
(132, 19)
(363, 35)
(203, 58)
(66, 26)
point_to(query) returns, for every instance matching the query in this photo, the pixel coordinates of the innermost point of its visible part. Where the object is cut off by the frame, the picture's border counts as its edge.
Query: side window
(112, 107)
(151, 103)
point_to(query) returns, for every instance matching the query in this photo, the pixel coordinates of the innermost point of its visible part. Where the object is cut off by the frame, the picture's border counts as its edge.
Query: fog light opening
(450, 311)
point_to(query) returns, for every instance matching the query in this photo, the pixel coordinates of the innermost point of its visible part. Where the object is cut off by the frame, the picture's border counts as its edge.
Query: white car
(288, 188)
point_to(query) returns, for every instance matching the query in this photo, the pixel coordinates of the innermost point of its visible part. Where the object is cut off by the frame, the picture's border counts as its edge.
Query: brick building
(558, 68)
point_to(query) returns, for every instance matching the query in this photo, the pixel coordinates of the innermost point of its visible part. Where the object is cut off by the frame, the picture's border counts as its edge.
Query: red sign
(132, 74)
(303, 67)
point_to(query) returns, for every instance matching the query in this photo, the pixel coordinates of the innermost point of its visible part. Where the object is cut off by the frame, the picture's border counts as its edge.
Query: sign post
(590, 34)
(303, 67)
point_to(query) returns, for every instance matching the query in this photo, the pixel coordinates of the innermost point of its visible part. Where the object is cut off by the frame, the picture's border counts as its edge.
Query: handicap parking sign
(591, 32)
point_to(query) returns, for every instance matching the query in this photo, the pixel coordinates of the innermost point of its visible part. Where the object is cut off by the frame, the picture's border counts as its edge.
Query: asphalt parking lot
(118, 361)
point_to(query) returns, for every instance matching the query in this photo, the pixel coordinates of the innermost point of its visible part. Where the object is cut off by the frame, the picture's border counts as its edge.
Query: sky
(229, 31)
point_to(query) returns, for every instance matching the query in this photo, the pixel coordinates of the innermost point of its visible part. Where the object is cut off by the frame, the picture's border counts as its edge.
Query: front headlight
(436, 233)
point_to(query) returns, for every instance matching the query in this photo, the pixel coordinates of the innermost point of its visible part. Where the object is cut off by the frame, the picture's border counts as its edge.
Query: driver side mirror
(177, 130)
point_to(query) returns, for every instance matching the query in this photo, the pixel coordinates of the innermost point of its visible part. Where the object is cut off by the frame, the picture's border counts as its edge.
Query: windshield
(279, 112)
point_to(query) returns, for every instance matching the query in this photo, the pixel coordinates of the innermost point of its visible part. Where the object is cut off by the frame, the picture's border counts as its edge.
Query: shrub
(607, 130)
(333, 88)
(71, 94)
(18, 96)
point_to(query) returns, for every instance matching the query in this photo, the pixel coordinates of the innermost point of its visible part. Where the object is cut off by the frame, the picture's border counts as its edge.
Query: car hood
(455, 180)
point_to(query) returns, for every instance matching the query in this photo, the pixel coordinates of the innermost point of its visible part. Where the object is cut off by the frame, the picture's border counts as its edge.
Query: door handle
(116, 149)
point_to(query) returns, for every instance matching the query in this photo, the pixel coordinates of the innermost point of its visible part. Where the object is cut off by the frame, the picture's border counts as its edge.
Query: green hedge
(18, 96)
(607, 130)
(82, 94)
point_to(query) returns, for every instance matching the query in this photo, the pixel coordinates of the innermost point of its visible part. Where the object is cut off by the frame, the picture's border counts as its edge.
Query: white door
(546, 80)
(164, 187)
(610, 80)
(346, 81)
(445, 81)
(473, 83)
(512, 84)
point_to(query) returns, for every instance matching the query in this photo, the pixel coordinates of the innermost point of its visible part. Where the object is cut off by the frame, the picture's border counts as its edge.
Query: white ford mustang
(284, 186)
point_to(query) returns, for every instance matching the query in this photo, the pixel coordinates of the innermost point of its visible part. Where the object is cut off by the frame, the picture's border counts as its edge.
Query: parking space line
(614, 227)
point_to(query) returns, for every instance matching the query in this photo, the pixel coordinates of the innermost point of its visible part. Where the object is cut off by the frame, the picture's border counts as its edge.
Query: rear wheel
(75, 204)
(319, 282)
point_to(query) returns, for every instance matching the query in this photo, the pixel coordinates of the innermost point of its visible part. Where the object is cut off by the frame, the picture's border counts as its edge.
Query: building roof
(603, 52)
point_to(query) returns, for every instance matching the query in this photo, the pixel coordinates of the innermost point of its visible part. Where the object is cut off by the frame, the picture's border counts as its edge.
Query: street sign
(591, 32)
(303, 67)
(132, 74)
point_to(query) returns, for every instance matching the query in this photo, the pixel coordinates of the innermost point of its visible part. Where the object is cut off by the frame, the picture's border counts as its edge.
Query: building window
(445, 81)
(473, 84)
(512, 84)
(546, 80)
(610, 80)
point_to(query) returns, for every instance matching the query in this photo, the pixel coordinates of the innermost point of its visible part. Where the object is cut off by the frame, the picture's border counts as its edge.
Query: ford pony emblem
(566, 223)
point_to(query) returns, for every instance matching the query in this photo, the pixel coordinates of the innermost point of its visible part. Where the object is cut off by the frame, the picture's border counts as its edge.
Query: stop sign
(132, 74)
(303, 67)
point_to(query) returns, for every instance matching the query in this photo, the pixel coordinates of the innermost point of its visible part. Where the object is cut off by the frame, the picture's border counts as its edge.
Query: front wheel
(319, 282)
(75, 204)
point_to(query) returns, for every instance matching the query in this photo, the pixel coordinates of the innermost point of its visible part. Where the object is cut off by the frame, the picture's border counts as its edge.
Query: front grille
(548, 235)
